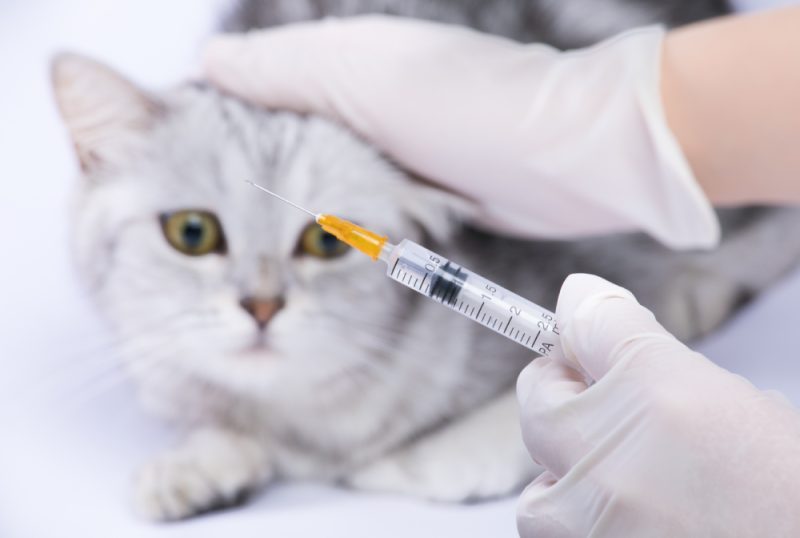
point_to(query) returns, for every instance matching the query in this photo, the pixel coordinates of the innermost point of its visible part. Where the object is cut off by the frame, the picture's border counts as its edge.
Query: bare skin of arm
(731, 90)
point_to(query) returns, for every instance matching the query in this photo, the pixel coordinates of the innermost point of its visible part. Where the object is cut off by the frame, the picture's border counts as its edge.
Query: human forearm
(731, 90)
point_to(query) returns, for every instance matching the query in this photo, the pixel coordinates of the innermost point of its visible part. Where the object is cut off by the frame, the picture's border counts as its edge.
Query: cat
(286, 356)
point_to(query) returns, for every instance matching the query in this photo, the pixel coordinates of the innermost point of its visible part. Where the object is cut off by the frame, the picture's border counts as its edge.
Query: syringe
(457, 288)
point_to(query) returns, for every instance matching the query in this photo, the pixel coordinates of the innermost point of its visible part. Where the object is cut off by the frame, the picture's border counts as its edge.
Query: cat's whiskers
(369, 362)
(136, 369)
(149, 365)
(363, 369)
(385, 330)
(109, 354)
(115, 339)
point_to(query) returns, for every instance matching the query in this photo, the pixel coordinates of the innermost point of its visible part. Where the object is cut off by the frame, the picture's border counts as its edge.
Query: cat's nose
(262, 310)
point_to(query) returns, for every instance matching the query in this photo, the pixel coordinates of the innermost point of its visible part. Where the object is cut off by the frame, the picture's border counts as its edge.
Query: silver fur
(564, 23)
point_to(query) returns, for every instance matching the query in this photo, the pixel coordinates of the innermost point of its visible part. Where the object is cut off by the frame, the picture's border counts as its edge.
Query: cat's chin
(254, 346)
(258, 350)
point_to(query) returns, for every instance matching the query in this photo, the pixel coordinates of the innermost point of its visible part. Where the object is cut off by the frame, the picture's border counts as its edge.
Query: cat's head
(204, 274)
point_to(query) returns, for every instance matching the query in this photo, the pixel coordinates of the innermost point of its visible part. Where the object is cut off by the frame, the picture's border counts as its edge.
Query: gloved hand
(664, 443)
(553, 144)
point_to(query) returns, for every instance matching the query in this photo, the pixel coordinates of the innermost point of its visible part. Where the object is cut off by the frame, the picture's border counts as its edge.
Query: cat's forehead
(209, 145)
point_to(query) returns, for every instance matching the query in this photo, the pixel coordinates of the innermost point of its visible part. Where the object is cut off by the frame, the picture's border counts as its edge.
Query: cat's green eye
(193, 232)
(317, 242)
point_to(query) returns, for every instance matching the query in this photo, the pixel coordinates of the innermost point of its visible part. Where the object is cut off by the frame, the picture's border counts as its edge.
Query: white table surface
(70, 430)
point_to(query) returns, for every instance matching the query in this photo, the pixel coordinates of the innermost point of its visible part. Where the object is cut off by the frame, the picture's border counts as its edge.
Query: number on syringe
(492, 290)
(433, 264)
(546, 326)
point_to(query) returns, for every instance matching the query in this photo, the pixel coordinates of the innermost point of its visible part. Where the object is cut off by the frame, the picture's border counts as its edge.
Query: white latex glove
(665, 443)
(553, 144)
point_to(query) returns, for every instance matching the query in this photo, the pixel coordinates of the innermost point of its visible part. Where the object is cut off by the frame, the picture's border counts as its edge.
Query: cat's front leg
(478, 456)
(212, 468)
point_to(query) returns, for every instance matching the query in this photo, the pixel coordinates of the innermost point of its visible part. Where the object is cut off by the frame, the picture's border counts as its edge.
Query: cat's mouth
(258, 346)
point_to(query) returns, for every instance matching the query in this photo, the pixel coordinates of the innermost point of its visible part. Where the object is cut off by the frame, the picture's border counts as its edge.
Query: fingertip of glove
(580, 296)
(581, 287)
(602, 324)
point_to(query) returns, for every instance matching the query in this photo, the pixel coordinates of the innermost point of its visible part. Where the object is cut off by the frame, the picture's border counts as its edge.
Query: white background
(70, 431)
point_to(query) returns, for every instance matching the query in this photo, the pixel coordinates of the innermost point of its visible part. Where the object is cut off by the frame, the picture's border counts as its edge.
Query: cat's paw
(479, 456)
(417, 478)
(455, 481)
(212, 469)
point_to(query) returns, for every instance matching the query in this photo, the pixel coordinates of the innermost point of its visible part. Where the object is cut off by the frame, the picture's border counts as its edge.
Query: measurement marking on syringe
(494, 324)
(484, 316)
(535, 339)
(394, 266)
(526, 341)
(508, 324)
(424, 278)
(472, 312)
(479, 311)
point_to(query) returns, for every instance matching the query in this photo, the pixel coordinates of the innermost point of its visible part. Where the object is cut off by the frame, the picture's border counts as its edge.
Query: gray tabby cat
(284, 355)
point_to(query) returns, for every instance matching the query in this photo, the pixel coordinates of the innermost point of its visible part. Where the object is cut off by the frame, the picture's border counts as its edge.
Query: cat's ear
(106, 115)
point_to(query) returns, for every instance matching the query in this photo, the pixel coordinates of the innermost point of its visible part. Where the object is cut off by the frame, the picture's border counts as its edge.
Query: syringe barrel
(474, 296)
